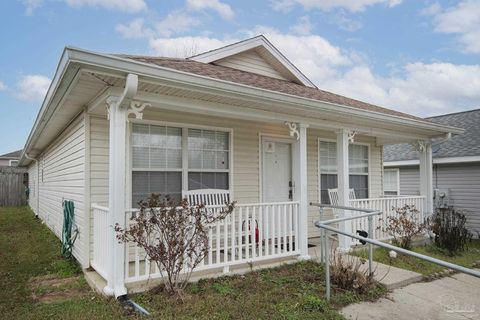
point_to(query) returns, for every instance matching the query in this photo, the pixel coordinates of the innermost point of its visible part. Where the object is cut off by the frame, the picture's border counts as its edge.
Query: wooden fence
(12, 186)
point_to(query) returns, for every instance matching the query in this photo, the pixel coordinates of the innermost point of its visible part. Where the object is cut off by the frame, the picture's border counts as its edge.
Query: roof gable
(255, 55)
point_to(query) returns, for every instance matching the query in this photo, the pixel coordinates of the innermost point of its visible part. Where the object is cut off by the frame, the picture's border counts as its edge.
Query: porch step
(94, 280)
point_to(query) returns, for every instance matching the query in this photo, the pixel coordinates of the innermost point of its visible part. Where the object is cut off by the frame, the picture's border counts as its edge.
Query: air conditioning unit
(440, 198)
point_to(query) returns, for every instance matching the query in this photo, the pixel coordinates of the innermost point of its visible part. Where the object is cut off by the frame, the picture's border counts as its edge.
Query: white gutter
(447, 160)
(148, 70)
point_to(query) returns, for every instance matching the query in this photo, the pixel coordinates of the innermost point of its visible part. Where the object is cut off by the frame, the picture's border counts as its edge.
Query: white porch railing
(100, 239)
(251, 233)
(387, 206)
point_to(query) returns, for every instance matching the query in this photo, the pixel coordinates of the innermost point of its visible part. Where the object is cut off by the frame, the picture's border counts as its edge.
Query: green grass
(466, 258)
(28, 249)
(293, 291)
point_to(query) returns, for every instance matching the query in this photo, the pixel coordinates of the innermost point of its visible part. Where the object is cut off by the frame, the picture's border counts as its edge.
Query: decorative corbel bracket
(110, 103)
(136, 108)
(351, 136)
(420, 145)
(293, 127)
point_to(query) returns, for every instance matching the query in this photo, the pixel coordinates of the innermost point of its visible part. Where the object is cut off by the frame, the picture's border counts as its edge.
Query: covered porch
(271, 163)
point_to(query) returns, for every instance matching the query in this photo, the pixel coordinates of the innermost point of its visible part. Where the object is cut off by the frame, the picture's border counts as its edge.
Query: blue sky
(421, 57)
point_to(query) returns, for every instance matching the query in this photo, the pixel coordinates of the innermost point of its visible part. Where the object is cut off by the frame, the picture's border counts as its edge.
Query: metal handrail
(325, 255)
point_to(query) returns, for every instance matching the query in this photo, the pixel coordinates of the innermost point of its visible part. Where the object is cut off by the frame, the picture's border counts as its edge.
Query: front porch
(272, 167)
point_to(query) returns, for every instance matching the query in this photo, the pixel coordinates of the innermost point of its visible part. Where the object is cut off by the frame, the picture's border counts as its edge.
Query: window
(13, 163)
(358, 168)
(391, 182)
(157, 160)
(208, 154)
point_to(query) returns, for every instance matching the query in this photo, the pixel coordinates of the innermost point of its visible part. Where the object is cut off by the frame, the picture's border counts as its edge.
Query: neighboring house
(241, 121)
(456, 167)
(10, 159)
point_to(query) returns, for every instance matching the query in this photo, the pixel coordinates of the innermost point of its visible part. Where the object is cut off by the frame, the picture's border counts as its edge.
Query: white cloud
(136, 29)
(32, 87)
(462, 20)
(223, 9)
(303, 27)
(3, 86)
(418, 88)
(351, 5)
(176, 22)
(31, 5)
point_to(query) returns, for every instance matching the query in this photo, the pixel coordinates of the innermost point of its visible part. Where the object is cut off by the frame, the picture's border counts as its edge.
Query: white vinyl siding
(62, 177)
(250, 61)
(32, 186)
(245, 150)
(462, 181)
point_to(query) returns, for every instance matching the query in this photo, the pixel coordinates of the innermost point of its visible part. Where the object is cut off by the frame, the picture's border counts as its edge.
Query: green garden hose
(67, 239)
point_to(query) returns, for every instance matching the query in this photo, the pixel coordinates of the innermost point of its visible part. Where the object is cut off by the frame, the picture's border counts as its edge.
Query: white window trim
(397, 170)
(319, 173)
(184, 169)
(10, 162)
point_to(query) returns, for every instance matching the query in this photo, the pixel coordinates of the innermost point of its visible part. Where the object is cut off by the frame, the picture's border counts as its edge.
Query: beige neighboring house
(10, 159)
(240, 122)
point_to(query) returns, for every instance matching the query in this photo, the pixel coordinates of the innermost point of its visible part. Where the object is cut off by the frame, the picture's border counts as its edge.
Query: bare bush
(449, 231)
(174, 236)
(403, 226)
(346, 274)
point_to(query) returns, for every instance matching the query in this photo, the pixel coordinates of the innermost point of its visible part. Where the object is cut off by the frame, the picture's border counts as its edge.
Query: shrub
(173, 235)
(403, 226)
(447, 227)
(345, 273)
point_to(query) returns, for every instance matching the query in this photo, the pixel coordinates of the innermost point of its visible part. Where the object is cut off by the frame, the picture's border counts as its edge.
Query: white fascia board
(248, 44)
(404, 163)
(52, 90)
(125, 66)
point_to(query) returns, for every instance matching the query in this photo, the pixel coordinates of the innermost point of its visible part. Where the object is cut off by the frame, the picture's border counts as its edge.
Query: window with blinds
(157, 160)
(391, 182)
(208, 159)
(358, 169)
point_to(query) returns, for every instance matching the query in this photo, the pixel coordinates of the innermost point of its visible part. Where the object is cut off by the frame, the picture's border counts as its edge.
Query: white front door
(277, 170)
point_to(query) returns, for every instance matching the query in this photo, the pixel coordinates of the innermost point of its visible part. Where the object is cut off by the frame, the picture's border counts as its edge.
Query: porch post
(302, 192)
(343, 184)
(426, 176)
(116, 197)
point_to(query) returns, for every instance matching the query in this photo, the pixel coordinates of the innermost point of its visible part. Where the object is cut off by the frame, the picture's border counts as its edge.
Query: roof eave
(124, 66)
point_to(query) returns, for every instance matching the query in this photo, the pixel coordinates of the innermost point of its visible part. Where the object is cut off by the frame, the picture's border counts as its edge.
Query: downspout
(117, 174)
(38, 182)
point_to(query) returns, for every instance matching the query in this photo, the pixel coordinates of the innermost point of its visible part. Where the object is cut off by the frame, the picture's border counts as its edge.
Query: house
(241, 118)
(456, 167)
(10, 159)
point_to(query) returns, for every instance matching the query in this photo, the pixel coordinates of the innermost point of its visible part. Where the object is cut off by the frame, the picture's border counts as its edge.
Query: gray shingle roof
(263, 82)
(12, 155)
(466, 144)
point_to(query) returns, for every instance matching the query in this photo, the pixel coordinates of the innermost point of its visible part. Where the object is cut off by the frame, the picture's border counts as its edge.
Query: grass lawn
(37, 283)
(30, 264)
(293, 291)
(466, 259)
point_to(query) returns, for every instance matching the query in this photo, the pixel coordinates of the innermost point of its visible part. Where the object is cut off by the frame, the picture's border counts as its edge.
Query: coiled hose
(67, 239)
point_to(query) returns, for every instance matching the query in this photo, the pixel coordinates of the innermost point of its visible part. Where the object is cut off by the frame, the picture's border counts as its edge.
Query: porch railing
(251, 233)
(387, 207)
(100, 239)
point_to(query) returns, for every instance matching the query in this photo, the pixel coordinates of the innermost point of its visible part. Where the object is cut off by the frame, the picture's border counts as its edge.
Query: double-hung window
(158, 155)
(358, 169)
(391, 182)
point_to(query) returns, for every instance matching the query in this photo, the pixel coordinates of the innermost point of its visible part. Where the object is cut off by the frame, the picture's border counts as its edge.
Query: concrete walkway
(456, 297)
